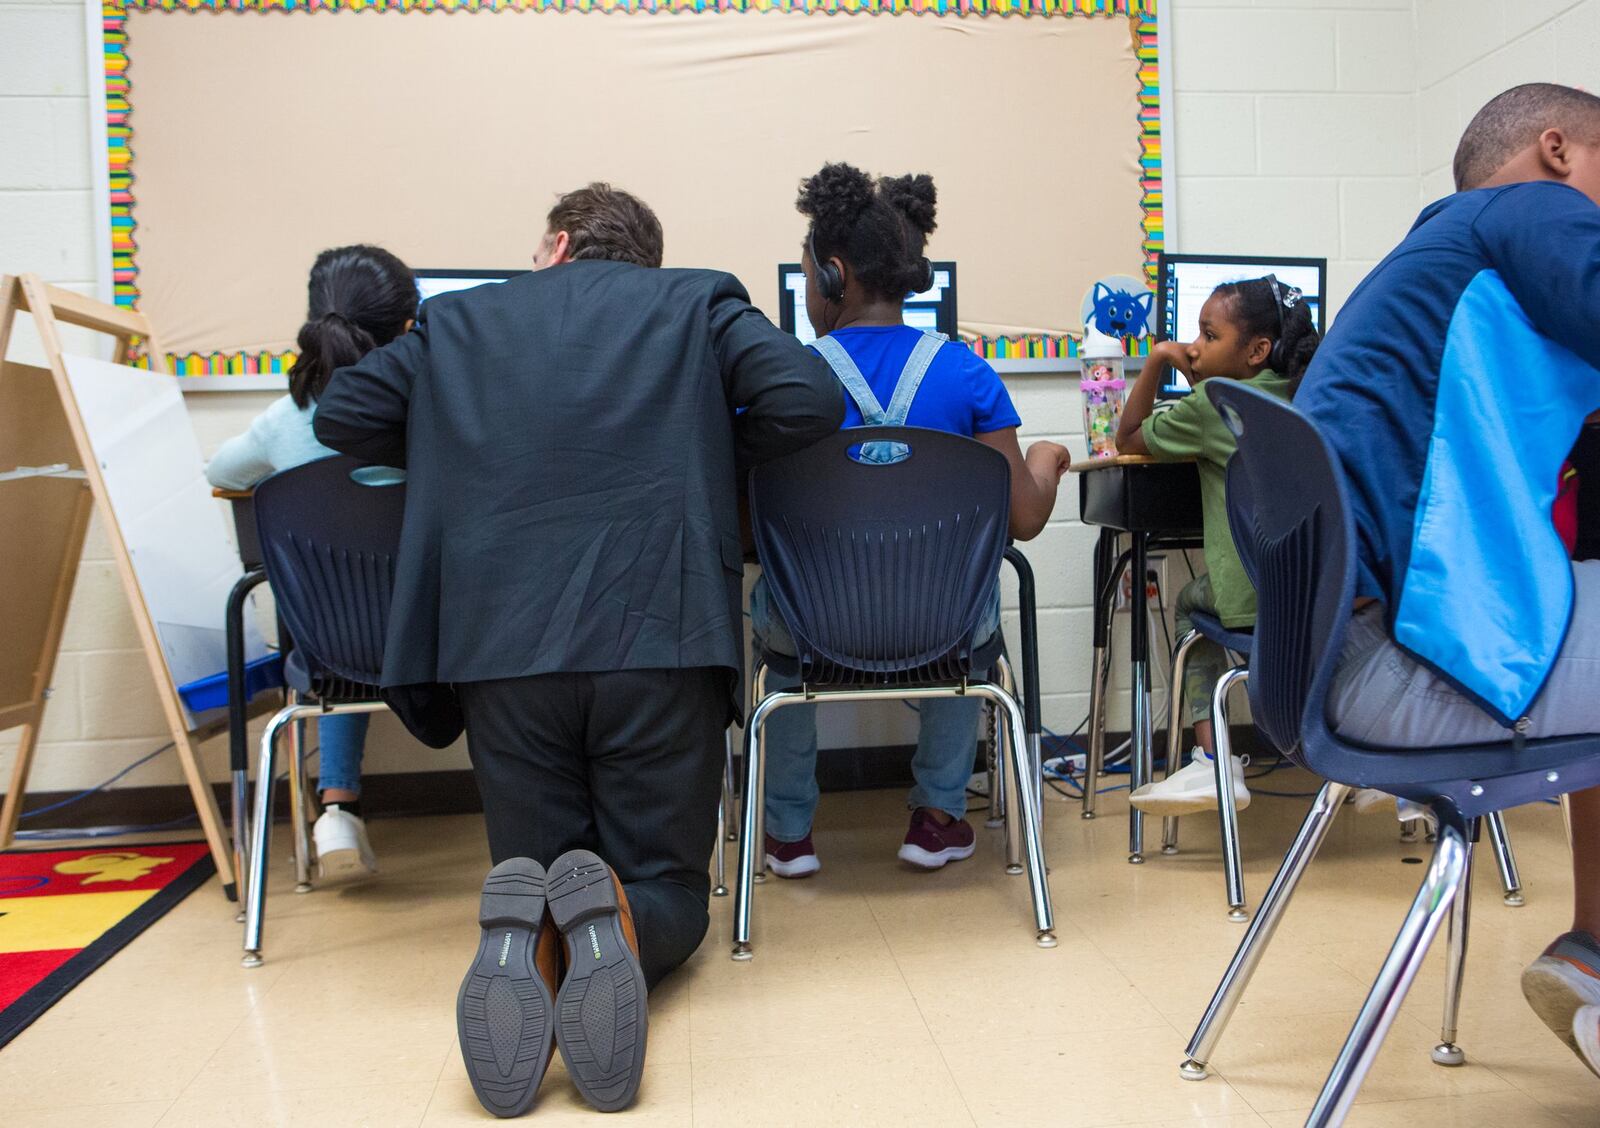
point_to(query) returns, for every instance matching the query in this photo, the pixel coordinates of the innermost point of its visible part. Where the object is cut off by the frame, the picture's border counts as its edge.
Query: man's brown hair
(1512, 121)
(607, 223)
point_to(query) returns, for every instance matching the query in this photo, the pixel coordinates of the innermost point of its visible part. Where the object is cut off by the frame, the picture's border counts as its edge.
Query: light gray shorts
(1383, 697)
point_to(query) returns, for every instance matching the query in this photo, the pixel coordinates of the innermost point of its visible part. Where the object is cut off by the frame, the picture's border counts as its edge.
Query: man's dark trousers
(627, 764)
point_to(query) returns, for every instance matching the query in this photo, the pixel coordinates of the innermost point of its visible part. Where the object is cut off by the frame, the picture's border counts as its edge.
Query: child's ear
(1260, 352)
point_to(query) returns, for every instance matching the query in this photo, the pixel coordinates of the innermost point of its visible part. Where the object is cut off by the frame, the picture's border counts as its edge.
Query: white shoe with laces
(1191, 788)
(342, 846)
(1370, 799)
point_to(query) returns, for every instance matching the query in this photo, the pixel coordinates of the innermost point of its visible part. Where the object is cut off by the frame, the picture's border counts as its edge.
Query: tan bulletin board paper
(260, 138)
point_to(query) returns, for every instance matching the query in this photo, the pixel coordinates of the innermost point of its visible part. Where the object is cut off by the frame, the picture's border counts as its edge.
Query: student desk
(1154, 504)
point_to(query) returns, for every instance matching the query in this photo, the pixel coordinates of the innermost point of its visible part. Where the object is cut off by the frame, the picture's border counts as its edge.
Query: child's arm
(1034, 479)
(1142, 400)
(362, 412)
(239, 463)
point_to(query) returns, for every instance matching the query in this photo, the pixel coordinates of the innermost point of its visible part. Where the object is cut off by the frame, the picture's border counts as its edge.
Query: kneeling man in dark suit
(569, 589)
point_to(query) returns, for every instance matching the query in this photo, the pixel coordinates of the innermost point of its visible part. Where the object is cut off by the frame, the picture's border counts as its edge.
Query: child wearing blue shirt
(360, 298)
(1452, 387)
(863, 254)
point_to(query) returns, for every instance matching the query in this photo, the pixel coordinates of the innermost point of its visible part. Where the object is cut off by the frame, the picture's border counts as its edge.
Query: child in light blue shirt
(360, 298)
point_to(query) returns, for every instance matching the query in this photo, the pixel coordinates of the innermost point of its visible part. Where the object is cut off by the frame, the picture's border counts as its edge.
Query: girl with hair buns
(865, 251)
(360, 298)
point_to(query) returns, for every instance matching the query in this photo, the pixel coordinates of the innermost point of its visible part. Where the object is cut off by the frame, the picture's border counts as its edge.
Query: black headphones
(830, 280)
(1283, 297)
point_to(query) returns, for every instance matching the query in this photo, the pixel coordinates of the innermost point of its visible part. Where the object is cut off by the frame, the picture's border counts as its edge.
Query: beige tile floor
(878, 996)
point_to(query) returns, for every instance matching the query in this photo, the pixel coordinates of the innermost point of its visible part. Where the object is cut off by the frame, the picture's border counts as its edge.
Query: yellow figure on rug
(111, 867)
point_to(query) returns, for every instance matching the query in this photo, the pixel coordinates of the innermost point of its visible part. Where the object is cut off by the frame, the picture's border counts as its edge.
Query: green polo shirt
(1193, 429)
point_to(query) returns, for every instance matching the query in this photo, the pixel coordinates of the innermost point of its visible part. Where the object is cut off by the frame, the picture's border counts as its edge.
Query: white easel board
(177, 538)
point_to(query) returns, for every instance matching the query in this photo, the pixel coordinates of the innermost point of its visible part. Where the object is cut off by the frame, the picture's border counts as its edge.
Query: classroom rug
(63, 913)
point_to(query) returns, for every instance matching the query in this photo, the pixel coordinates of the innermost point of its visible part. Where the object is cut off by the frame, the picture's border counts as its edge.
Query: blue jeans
(341, 739)
(946, 739)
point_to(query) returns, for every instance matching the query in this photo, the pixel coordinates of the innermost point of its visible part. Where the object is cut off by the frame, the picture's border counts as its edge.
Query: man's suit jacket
(575, 440)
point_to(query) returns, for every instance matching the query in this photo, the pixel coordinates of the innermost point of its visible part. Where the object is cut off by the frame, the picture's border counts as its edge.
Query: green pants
(1207, 661)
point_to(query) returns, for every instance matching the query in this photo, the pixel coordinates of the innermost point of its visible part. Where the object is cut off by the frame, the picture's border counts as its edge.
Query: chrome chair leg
(1033, 764)
(261, 833)
(1006, 753)
(751, 844)
(299, 805)
(719, 852)
(1510, 879)
(1026, 813)
(991, 758)
(759, 684)
(1227, 814)
(1313, 831)
(1441, 884)
(1180, 662)
(1447, 1052)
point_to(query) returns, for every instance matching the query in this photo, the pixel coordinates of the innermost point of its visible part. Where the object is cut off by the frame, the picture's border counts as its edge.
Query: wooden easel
(45, 516)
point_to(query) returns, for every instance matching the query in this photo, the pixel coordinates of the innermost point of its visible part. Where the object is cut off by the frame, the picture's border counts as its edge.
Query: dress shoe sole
(504, 1013)
(602, 1014)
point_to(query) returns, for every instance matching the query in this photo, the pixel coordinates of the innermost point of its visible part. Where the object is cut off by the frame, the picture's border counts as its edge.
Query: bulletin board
(247, 135)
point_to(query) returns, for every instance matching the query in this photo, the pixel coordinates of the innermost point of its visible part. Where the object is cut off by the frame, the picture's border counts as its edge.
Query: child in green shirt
(1261, 331)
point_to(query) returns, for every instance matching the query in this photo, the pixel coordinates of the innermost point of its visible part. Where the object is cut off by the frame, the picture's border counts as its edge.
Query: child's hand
(1048, 460)
(1174, 354)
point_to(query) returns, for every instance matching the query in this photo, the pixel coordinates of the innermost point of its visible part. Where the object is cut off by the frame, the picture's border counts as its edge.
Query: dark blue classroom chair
(330, 531)
(1288, 510)
(881, 572)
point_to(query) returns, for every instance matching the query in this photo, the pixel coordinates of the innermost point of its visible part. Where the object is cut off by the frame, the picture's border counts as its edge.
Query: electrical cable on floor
(97, 788)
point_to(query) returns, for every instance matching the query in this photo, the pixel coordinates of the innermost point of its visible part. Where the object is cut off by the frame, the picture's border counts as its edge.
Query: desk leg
(1142, 754)
(1105, 579)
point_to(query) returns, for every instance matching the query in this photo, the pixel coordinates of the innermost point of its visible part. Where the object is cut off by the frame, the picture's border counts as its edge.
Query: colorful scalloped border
(119, 133)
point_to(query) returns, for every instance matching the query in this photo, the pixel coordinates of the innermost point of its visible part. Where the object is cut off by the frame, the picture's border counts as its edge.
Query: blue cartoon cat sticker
(1118, 309)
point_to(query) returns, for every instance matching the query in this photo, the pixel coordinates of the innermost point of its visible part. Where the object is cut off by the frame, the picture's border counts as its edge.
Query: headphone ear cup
(927, 277)
(832, 281)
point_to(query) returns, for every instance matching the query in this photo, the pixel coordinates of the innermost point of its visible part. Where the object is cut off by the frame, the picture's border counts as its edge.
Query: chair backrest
(329, 544)
(882, 571)
(1293, 529)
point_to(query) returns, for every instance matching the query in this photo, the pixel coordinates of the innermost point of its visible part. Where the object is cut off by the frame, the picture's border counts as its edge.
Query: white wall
(1479, 48)
(1307, 127)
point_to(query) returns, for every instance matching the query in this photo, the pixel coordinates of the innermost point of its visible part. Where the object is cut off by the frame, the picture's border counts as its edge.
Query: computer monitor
(1184, 282)
(933, 311)
(433, 282)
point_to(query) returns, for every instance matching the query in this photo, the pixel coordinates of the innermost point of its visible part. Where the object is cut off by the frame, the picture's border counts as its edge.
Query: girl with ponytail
(1260, 330)
(865, 251)
(360, 298)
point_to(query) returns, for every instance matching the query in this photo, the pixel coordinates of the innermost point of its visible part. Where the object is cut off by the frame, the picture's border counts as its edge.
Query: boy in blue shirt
(1453, 385)
(864, 253)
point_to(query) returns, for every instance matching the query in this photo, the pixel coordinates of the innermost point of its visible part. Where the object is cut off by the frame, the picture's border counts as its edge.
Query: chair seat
(1211, 627)
(983, 660)
(323, 687)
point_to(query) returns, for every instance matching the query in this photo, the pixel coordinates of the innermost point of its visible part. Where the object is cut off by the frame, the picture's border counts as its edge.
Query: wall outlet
(1155, 583)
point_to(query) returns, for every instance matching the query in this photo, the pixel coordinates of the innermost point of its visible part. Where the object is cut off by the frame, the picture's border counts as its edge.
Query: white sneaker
(1370, 799)
(1191, 788)
(342, 846)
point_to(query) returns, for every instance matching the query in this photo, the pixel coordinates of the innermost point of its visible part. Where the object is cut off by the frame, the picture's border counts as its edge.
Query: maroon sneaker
(930, 846)
(792, 859)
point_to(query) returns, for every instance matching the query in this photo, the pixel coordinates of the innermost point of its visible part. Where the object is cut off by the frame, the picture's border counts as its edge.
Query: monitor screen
(933, 311)
(433, 282)
(1184, 282)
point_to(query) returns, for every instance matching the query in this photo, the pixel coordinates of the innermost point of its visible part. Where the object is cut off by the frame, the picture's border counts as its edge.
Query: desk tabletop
(1089, 464)
(233, 495)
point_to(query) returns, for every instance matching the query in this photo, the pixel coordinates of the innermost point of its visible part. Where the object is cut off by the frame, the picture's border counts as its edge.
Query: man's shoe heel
(504, 1012)
(602, 1014)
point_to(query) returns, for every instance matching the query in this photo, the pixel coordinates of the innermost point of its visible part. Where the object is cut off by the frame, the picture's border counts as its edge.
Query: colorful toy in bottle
(1104, 391)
